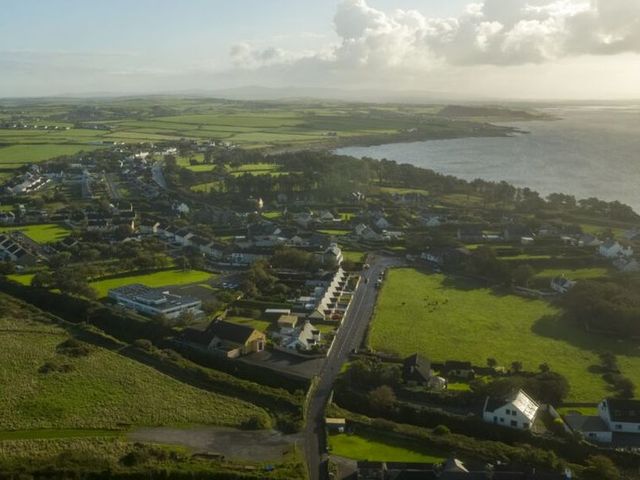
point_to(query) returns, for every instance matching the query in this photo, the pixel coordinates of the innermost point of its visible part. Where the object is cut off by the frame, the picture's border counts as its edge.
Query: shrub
(74, 348)
(441, 430)
(256, 422)
(144, 344)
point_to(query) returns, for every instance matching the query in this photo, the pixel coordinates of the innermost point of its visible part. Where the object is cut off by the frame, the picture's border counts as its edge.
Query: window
(514, 423)
(508, 411)
(618, 426)
(495, 419)
(514, 413)
(502, 419)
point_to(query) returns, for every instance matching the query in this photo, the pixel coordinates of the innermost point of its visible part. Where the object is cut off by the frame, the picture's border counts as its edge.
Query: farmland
(101, 390)
(155, 279)
(246, 124)
(447, 319)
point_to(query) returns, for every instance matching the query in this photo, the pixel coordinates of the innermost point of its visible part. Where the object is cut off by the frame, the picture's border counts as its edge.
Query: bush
(74, 348)
(256, 422)
(53, 367)
(144, 344)
(441, 430)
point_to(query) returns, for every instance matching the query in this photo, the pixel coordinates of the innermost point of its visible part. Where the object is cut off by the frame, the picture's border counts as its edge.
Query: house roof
(457, 365)
(230, 332)
(519, 400)
(586, 423)
(621, 410)
(416, 364)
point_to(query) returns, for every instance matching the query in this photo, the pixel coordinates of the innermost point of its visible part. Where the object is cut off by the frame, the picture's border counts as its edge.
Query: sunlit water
(591, 152)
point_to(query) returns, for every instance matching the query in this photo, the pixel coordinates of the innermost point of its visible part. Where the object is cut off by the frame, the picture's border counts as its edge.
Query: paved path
(350, 336)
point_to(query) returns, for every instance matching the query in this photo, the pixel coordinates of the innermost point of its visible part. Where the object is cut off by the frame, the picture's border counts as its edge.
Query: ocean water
(592, 151)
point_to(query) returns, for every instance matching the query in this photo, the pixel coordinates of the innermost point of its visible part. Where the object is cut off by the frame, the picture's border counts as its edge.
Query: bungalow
(613, 249)
(518, 411)
(7, 218)
(381, 223)
(228, 339)
(302, 338)
(515, 233)
(627, 264)
(326, 216)
(11, 250)
(183, 237)
(416, 369)
(632, 235)
(562, 285)
(366, 233)
(470, 233)
(592, 427)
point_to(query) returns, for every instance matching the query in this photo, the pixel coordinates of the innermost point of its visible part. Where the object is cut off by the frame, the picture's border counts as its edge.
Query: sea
(588, 151)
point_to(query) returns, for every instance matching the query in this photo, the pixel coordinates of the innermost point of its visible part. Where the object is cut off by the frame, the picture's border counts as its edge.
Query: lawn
(403, 191)
(162, 278)
(335, 232)
(354, 255)
(103, 390)
(261, 325)
(375, 447)
(43, 233)
(457, 320)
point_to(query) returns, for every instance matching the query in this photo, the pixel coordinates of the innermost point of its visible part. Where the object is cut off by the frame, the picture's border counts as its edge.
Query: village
(272, 268)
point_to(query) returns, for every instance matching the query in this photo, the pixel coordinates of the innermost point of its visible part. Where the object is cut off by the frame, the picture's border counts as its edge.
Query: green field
(377, 448)
(163, 278)
(103, 390)
(17, 155)
(354, 255)
(447, 319)
(43, 233)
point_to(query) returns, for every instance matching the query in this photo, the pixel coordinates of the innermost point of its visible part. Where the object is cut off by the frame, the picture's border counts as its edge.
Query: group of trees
(611, 306)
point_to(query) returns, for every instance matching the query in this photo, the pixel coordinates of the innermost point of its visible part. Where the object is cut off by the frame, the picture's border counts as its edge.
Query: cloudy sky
(520, 49)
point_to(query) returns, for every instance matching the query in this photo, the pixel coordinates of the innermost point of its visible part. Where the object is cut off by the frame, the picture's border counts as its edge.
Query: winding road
(350, 335)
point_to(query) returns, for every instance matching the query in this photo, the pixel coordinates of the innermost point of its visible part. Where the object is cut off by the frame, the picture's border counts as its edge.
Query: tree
(544, 367)
(600, 467)
(492, 362)
(516, 367)
(609, 362)
(522, 275)
(382, 399)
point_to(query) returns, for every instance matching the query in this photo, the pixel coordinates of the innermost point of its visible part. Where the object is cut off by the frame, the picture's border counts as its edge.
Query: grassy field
(17, 155)
(156, 279)
(43, 233)
(447, 319)
(102, 390)
(353, 255)
(373, 447)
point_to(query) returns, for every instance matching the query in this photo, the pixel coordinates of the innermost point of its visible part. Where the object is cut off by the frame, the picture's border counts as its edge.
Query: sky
(512, 49)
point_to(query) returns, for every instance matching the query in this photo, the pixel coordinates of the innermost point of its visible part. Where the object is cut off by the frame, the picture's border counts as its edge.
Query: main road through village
(349, 336)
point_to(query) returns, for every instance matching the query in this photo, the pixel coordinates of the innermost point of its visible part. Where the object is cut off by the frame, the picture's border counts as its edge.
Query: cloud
(493, 32)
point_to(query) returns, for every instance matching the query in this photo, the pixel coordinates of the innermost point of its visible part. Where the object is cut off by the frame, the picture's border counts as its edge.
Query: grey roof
(586, 423)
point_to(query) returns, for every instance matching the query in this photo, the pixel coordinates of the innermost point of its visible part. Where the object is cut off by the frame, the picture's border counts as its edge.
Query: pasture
(15, 156)
(163, 278)
(101, 390)
(449, 319)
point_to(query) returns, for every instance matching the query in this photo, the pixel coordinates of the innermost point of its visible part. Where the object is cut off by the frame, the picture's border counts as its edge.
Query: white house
(303, 337)
(613, 249)
(620, 415)
(382, 223)
(519, 411)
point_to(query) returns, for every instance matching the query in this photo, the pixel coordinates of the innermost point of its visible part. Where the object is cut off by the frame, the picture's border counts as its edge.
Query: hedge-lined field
(457, 320)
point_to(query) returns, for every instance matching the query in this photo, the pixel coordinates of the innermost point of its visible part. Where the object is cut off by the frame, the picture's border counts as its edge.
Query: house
(326, 216)
(7, 218)
(622, 416)
(332, 255)
(381, 223)
(303, 338)
(446, 256)
(592, 427)
(228, 339)
(416, 369)
(632, 235)
(366, 233)
(613, 249)
(562, 285)
(183, 237)
(457, 369)
(154, 301)
(518, 411)
(287, 323)
(335, 425)
(13, 251)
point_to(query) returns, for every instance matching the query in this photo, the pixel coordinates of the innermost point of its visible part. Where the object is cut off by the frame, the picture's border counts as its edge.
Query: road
(350, 336)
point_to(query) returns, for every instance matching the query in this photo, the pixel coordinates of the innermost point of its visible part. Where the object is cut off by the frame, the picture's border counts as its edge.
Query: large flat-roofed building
(154, 301)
